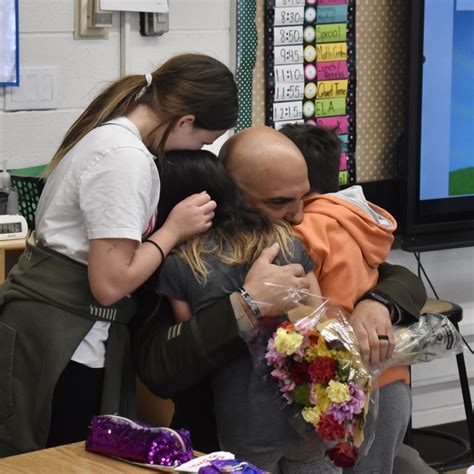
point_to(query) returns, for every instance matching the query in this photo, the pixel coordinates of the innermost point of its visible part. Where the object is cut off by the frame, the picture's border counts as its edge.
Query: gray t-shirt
(248, 412)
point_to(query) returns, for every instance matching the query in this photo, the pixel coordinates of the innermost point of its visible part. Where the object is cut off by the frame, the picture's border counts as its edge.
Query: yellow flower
(311, 415)
(310, 353)
(287, 343)
(338, 392)
(322, 399)
(322, 350)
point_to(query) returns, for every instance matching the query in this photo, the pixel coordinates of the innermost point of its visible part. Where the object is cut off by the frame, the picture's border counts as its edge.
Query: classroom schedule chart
(310, 69)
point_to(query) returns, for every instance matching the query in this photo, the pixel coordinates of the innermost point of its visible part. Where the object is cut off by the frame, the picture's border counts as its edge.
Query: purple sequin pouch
(119, 437)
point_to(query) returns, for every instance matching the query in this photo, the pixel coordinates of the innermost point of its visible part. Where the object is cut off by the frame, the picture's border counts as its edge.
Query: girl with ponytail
(67, 302)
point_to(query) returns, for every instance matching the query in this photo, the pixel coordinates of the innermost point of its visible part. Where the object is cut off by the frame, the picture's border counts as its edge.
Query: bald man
(270, 170)
(272, 173)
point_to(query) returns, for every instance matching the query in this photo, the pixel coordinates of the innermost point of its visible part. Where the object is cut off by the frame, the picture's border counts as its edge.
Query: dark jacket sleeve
(172, 357)
(404, 288)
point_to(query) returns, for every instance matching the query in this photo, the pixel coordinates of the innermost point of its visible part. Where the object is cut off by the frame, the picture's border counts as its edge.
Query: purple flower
(273, 357)
(285, 383)
(313, 398)
(347, 410)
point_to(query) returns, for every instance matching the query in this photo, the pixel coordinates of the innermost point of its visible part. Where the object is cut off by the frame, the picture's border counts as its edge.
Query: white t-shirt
(107, 186)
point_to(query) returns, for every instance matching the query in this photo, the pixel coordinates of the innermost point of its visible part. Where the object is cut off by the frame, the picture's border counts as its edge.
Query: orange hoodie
(347, 245)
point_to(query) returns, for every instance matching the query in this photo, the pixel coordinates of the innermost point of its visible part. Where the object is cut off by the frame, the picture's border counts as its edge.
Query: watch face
(372, 295)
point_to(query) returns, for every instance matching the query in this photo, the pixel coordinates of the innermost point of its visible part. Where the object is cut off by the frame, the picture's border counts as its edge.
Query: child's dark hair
(321, 149)
(238, 233)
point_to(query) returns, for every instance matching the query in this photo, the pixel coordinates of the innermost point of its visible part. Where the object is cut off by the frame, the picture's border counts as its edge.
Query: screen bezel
(425, 216)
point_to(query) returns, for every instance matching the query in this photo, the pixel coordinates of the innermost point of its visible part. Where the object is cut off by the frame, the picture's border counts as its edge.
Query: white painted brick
(31, 138)
(146, 54)
(440, 371)
(436, 395)
(48, 16)
(199, 14)
(438, 404)
(58, 16)
(84, 67)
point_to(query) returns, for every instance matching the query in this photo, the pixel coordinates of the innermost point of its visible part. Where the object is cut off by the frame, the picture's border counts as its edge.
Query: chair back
(29, 190)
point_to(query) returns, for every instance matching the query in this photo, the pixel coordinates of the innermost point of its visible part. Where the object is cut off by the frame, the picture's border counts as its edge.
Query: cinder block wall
(29, 138)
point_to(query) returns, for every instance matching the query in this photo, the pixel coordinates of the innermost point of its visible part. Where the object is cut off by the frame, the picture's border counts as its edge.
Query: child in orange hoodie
(346, 236)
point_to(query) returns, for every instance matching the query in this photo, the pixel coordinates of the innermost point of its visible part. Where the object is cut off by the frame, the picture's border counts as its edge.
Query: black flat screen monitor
(439, 152)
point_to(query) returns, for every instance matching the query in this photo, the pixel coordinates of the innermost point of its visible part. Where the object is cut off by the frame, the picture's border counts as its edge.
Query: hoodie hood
(369, 225)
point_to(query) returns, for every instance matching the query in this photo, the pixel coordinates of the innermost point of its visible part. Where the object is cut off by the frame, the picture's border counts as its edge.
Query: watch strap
(393, 309)
(251, 303)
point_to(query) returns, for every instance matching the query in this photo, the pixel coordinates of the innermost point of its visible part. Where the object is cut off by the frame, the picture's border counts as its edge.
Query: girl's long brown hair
(194, 84)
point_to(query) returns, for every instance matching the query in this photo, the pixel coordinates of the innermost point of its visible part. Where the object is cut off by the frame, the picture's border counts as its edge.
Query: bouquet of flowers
(313, 355)
(315, 359)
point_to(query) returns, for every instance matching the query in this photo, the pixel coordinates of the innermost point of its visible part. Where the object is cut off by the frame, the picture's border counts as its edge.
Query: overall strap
(47, 276)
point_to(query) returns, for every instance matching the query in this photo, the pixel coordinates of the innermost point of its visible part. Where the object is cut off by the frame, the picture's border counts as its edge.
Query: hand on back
(263, 271)
(190, 217)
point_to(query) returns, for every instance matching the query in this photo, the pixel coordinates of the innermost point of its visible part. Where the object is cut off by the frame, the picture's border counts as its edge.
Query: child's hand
(190, 217)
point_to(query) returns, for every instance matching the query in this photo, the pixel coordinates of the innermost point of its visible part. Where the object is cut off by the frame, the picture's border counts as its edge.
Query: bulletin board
(381, 36)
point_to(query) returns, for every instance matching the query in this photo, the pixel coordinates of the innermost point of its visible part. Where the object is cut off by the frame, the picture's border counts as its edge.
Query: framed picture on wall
(9, 43)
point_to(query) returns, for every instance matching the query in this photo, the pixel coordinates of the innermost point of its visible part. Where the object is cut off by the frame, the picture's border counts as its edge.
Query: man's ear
(186, 120)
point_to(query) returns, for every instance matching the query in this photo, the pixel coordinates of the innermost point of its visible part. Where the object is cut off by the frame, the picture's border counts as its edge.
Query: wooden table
(10, 250)
(71, 458)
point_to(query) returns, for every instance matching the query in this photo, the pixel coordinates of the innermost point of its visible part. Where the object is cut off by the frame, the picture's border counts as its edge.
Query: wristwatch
(393, 310)
(251, 303)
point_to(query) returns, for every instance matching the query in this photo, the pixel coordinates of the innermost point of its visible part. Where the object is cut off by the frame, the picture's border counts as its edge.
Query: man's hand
(371, 319)
(263, 271)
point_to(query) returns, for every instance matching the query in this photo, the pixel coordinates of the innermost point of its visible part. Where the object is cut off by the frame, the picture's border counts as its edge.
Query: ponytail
(193, 84)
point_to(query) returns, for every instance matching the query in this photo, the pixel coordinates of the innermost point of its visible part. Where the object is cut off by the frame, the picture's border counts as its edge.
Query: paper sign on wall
(151, 6)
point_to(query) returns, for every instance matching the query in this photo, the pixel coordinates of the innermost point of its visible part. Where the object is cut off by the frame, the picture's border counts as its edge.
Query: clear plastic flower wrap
(433, 336)
(312, 356)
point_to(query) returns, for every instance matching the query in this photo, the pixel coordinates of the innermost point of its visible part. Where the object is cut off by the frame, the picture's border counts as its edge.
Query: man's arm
(403, 288)
(172, 357)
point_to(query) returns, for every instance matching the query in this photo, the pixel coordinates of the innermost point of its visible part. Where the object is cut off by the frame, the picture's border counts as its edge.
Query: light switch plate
(37, 90)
